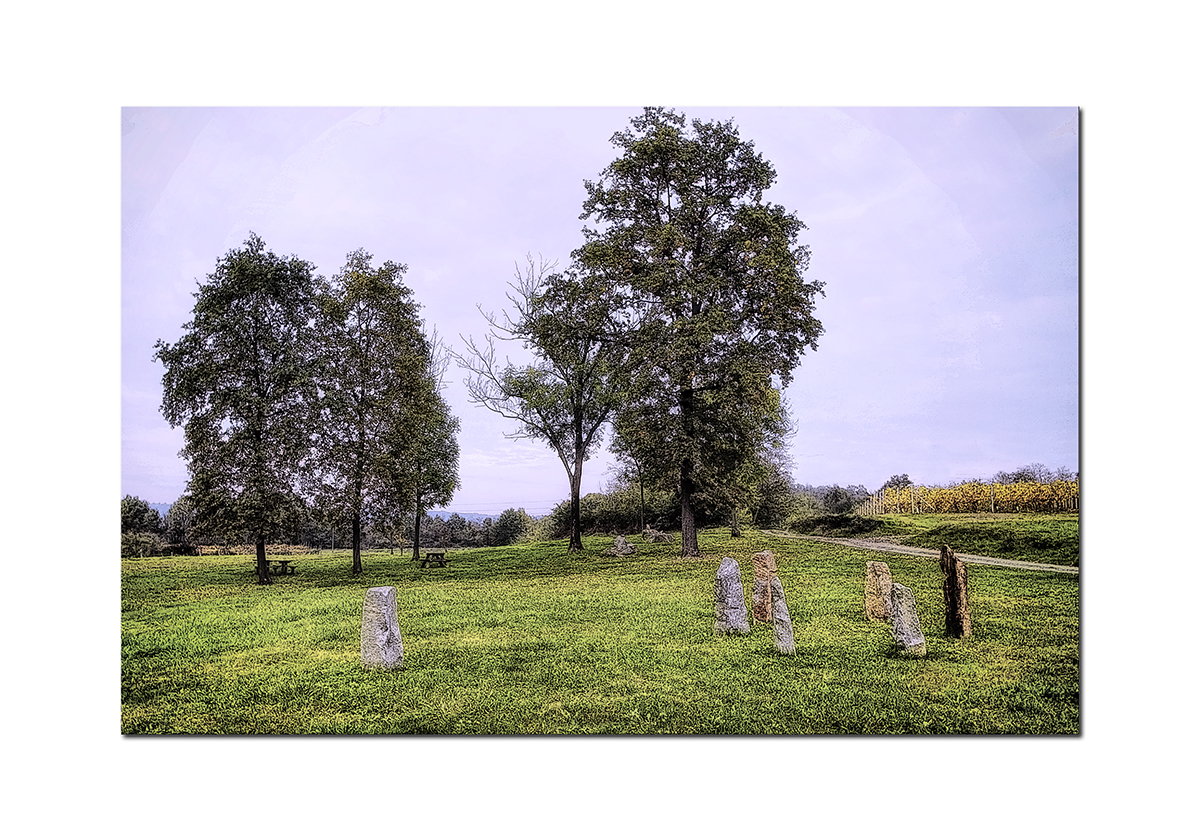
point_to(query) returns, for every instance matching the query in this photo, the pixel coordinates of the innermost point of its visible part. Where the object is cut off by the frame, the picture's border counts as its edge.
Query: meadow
(527, 639)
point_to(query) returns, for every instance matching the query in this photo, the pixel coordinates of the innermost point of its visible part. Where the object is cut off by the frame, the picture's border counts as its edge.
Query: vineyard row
(975, 497)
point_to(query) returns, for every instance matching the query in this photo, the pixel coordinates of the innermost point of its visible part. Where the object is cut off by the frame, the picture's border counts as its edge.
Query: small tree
(510, 526)
(180, 522)
(138, 517)
(564, 399)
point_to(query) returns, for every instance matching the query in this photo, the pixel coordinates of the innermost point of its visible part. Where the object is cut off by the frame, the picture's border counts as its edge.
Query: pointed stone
(954, 595)
(730, 599)
(906, 627)
(878, 603)
(781, 619)
(380, 645)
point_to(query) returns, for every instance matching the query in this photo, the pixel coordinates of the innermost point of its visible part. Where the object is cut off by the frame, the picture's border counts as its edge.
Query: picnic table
(434, 555)
(279, 566)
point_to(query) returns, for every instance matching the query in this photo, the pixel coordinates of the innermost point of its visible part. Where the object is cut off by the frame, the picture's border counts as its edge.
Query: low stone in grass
(760, 598)
(906, 627)
(622, 548)
(954, 594)
(380, 645)
(781, 619)
(730, 599)
(878, 591)
(652, 536)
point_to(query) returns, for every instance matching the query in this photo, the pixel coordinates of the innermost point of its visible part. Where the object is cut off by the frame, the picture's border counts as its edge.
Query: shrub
(141, 544)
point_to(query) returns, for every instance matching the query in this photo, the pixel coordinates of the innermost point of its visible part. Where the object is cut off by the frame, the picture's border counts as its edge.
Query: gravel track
(881, 544)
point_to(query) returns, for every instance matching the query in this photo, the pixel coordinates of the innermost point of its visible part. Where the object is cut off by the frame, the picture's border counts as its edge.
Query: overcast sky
(947, 240)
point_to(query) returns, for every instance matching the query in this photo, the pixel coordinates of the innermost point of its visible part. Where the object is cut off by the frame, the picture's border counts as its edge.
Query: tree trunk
(690, 546)
(690, 543)
(264, 569)
(576, 479)
(735, 524)
(417, 532)
(355, 541)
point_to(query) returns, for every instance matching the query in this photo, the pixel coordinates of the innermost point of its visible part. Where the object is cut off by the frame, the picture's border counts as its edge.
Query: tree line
(676, 325)
(145, 532)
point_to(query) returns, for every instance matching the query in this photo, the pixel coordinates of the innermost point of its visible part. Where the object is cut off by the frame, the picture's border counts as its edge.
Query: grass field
(1037, 537)
(527, 639)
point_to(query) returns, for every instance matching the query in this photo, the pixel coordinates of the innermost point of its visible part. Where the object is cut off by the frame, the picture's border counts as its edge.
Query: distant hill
(470, 517)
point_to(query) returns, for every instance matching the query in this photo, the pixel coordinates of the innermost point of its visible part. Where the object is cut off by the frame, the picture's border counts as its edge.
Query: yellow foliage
(976, 497)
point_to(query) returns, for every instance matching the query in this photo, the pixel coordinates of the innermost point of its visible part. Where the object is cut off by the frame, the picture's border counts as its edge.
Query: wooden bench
(434, 555)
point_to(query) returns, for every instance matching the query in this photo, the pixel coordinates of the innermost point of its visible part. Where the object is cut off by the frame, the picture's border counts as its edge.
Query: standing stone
(954, 593)
(730, 599)
(380, 643)
(906, 627)
(760, 599)
(878, 591)
(785, 640)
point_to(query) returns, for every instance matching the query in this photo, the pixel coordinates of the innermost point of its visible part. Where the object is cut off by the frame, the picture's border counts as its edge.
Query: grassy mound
(531, 640)
(1033, 537)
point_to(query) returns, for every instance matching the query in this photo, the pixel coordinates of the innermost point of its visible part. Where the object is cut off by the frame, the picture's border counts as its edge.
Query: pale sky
(947, 239)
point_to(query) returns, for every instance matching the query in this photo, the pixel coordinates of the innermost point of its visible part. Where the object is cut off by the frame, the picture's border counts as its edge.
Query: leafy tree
(421, 459)
(710, 279)
(511, 525)
(564, 399)
(138, 517)
(373, 364)
(899, 482)
(180, 522)
(241, 383)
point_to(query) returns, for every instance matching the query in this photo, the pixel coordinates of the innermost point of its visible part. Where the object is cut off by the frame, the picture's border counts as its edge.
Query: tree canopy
(708, 278)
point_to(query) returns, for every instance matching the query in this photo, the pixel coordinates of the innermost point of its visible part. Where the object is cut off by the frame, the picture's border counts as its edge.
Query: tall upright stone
(379, 644)
(730, 599)
(781, 619)
(954, 594)
(760, 598)
(878, 599)
(906, 626)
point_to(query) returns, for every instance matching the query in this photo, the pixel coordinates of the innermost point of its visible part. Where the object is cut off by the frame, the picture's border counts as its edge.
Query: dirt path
(879, 544)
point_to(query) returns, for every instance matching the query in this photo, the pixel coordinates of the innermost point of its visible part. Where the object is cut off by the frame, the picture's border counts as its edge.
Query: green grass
(528, 639)
(1035, 537)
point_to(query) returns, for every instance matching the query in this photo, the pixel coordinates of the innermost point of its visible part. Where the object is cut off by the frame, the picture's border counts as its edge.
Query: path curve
(893, 548)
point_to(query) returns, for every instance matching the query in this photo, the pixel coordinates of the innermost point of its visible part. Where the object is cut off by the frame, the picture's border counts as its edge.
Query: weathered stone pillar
(878, 601)
(730, 599)
(760, 598)
(906, 627)
(954, 593)
(380, 644)
(781, 619)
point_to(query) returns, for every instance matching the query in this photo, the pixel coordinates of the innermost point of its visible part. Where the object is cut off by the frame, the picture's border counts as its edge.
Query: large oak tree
(711, 279)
